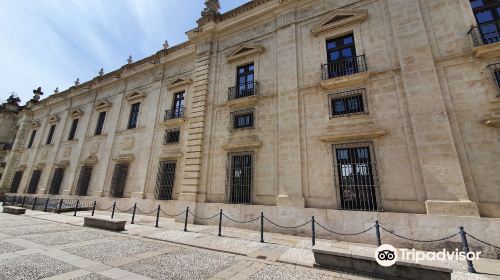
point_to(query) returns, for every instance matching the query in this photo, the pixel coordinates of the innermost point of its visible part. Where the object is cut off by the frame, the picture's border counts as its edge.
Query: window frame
(72, 131)
(50, 136)
(242, 113)
(133, 119)
(168, 140)
(32, 139)
(99, 128)
(345, 96)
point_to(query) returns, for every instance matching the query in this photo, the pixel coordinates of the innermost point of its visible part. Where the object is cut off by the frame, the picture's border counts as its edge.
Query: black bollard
(262, 227)
(13, 201)
(76, 208)
(377, 233)
(186, 219)
(113, 212)
(24, 199)
(313, 228)
(34, 203)
(60, 206)
(465, 249)
(93, 207)
(220, 222)
(46, 205)
(133, 213)
(157, 215)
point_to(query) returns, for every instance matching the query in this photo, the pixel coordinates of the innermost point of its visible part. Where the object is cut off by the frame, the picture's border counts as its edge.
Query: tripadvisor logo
(386, 255)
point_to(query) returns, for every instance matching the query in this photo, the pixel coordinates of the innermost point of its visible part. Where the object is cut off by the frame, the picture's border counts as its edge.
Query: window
(242, 119)
(100, 123)
(487, 14)
(82, 186)
(177, 107)
(165, 180)
(495, 71)
(134, 115)
(119, 179)
(33, 185)
(356, 180)
(57, 178)
(172, 136)
(32, 138)
(16, 181)
(239, 178)
(51, 134)
(348, 103)
(342, 59)
(72, 131)
(245, 83)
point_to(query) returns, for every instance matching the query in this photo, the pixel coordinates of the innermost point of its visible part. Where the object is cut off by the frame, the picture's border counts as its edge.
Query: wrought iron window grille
(171, 136)
(346, 103)
(119, 180)
(239, 178)
(243, 119)
(165, 180)
(33, 184)
(16, 181)
(83, 183)
(55, 184)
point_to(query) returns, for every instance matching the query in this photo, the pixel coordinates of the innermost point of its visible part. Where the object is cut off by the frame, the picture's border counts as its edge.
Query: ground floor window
(119, 179)
(356, 176)
(239, 181)
(165, 180)
(57, 178)
(82, 185)
(35, 178)
(16, 181)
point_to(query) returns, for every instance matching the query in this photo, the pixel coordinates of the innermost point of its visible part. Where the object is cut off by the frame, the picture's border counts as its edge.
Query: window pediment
(76, 113)
(179, 82)
(90, 160)
(244, 51)
(35, 124)
(134, 96)
(53, 119)
(125, 158)
(339, 18)
(102, 104)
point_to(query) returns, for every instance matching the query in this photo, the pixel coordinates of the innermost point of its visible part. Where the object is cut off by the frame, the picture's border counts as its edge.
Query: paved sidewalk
(287, 253)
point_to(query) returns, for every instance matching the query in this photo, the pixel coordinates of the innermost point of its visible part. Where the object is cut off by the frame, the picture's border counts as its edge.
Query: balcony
(174, 116)
(485, 39)
(344, 72)
(243, 95)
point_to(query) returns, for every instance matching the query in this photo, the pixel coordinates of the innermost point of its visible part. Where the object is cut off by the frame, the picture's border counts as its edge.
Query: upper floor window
(348, 103)
(134, 115)
(178, 103)
(51, 134)
(32, 138)
(487, 14)
(172, 136)
(495, 71)
(242, 119)
(245, 82)
(72, 131)
(341, 58)
(100, 123)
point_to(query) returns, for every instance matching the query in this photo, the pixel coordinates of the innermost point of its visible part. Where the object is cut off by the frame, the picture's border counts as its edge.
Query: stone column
(289, 166)
(444, 184)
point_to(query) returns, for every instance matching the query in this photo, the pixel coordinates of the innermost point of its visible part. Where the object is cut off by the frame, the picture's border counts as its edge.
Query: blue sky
(50, 43)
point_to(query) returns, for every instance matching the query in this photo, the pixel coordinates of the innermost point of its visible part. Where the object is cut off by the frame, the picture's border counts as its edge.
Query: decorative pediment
(135, 96)
(102, 105)
(40, 165)
(35, 124)
(124, 158)
(53, 119)
(76, 113)
(22, 167)
(90, 160)
(244, 51)
(63, 163)
(179, 82)
(339, 18)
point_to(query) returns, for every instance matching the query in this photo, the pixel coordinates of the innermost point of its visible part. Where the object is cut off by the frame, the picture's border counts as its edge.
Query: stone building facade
(375, 105)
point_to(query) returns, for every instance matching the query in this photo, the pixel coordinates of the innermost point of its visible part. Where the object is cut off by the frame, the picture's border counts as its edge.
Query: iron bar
(113, 212)
(186, 219)
(262, 227)
(133, 213)
(313, 231)
(220, 222)
(377, 233)
(157, 216)
(76, 207)
(343, 67)
(465, 249)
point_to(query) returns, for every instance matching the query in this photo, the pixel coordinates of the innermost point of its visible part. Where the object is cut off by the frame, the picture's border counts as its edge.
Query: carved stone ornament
(212, 8)
(54, 119)
(76, 113)
(102, 105)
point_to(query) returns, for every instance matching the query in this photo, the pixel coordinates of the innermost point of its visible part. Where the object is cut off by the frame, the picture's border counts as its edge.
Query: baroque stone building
(384, 106)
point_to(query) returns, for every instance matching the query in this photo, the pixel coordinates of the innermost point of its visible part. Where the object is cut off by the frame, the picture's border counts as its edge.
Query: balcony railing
(485, 33)
(343, 67)
(242, 90)
(176, 113)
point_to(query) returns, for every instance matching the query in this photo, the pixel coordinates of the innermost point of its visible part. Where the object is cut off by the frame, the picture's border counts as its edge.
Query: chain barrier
(147, 213)
(241, 222)
(120, 211)
(201, 218)
(100, 209)
(169, 215)
(340, 233)
(417, 240)
(479, 240)
(287, 226)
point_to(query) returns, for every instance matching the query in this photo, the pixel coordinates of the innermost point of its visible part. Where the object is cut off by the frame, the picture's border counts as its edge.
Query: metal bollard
(93, 208)
(133, 213)
(13, 201)
(76, 208)
(34, 203)
(186, 219)
(220, 222)
(113, 212)
(465, 249)
(24, 199)
(313, 228)
(157, 215)
(262, 227)
(60, 206)
(377, 233)
(46, 205)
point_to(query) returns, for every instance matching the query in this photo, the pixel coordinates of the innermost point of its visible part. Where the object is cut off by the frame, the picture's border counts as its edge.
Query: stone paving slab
(6, 247)
(93, 276)
(183, 264)
(60, 238)
(32, 267)
(35, 229)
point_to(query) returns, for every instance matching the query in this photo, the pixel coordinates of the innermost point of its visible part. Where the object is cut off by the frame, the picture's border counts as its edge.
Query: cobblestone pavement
(56, 246)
